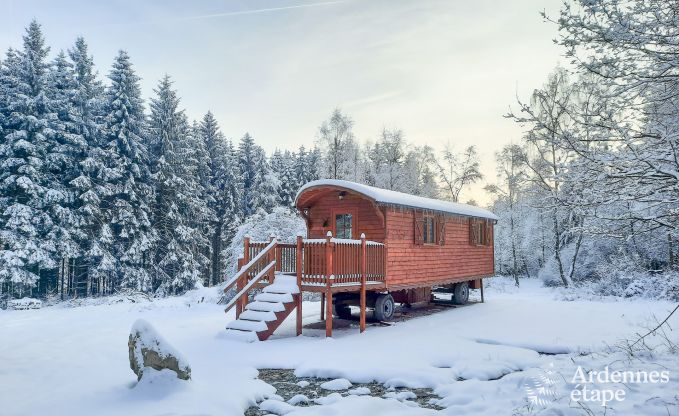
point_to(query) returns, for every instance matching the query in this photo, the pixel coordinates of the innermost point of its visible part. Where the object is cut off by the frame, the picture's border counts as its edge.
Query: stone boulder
(149, 350)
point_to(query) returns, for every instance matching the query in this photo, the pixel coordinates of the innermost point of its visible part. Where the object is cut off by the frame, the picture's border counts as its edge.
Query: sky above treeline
(444, 71)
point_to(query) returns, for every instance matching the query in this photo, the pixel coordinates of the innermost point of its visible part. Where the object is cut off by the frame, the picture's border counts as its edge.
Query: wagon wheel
(384, 307)
(461, 293)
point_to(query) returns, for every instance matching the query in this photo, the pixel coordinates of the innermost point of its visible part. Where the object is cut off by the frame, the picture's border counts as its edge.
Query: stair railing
(266, 260)
(243, 292)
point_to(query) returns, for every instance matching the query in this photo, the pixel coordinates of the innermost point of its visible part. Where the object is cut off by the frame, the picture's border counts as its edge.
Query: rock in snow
(299, 398)
(149, 350)
(359, 391)
(336, 384)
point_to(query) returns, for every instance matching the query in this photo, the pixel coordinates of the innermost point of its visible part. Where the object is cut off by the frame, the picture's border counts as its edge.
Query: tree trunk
(557, 248)
(575, 257)
(670, 249)
(216, 250)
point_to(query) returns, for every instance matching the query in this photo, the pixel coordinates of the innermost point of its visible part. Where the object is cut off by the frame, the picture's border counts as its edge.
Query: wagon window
(429, 233)
(343, 225)
(479, 233)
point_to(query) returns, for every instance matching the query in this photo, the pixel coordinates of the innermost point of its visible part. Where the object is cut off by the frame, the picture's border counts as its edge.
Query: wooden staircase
(280, 295)
(268, 311)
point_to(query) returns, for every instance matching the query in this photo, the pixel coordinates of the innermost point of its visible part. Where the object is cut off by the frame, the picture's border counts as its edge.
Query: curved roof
(387, 197)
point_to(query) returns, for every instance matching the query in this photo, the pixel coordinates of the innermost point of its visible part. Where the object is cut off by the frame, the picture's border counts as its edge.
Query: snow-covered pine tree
(25, 183)
(289, 185)
(266, 188)
(247, 163)
(314, 159)
(62, 161)
(86, 117)
(125, 189)
(283, 167)
(218, 161)
(175, 207)
(276, 161)
(259, 185)
(300, 167)
(196, 157)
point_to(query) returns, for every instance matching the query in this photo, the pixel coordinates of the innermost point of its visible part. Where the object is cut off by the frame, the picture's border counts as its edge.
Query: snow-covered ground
(481, 359)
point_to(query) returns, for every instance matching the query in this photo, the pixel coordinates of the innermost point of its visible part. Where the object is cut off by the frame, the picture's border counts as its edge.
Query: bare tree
(628, 50)
(458, 171)
(548, 117)
(511, 172)
(337, 139)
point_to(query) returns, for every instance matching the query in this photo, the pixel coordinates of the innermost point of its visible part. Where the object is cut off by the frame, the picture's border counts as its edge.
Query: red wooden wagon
(366, 247)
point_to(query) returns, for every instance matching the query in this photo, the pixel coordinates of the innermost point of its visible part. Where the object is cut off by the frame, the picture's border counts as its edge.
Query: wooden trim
(329, 188)
(437, 282)
(419, 227)
(441, 230)
(369, 287)
(434, 230)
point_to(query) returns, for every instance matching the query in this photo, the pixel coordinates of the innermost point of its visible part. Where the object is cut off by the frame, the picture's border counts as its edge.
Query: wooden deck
(327, 264)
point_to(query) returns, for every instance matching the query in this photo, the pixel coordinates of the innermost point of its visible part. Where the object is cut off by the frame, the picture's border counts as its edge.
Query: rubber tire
(384, 307)
(342, 311)
(461, 293)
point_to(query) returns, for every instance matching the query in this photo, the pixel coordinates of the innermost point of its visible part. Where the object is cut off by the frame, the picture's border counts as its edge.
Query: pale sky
(441, 70)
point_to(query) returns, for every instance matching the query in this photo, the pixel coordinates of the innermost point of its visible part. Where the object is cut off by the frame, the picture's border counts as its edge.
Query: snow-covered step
(244, 325)
(274, 297)
(252, 315)
(265, 306)
(283, 284)
(247, 336)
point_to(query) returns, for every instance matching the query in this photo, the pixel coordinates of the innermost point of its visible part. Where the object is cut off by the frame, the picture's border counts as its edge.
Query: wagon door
(345, 224)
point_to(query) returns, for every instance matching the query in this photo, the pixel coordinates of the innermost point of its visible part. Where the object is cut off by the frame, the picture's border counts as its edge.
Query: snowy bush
(623, 275)
(281, 223)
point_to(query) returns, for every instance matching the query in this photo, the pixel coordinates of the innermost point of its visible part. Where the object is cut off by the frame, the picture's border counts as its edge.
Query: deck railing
(323, 265)
(343, 256)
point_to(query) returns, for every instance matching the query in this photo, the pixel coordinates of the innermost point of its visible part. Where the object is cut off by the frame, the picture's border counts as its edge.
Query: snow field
(477, 358)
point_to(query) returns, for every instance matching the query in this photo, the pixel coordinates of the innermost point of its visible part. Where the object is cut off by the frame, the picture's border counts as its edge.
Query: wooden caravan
(365, 247)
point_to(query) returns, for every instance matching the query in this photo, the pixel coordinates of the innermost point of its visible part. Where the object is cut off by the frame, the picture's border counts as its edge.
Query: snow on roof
(385, 196)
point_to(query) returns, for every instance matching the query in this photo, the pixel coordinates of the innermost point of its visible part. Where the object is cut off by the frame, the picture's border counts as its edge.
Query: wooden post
(481, 287)
(279, 258)
(322, 306)
(328, 285)
(243, 280)
(300, 243)
(272, 256)
(364, 251)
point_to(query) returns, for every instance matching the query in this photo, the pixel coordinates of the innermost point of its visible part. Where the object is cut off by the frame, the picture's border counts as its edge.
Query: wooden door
(344, 223)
